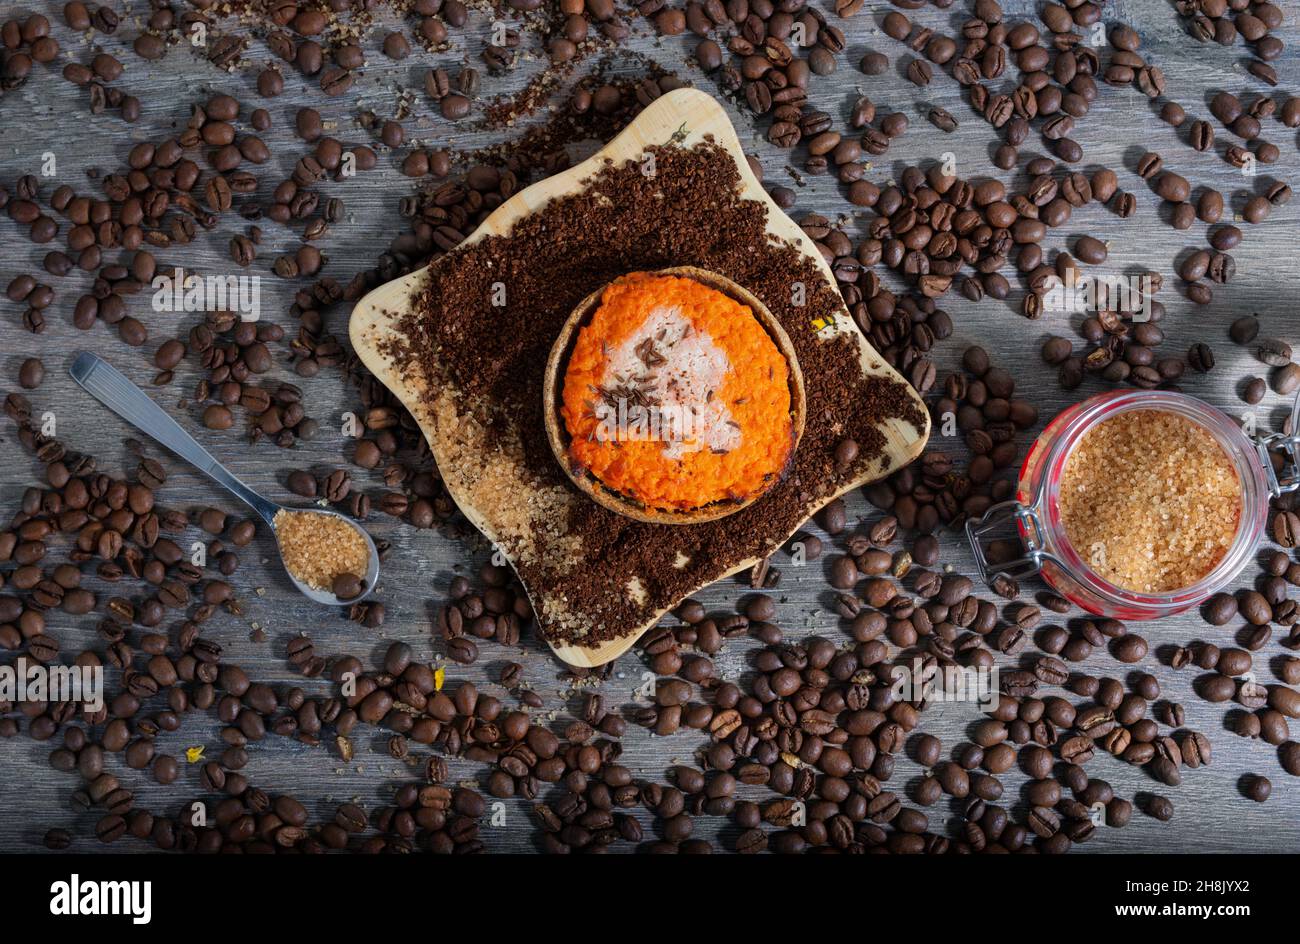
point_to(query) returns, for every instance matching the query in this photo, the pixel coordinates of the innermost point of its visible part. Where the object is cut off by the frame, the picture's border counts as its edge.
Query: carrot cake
(676, 396)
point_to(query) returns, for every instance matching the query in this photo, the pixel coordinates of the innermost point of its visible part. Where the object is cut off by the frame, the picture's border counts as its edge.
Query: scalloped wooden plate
(684, 117)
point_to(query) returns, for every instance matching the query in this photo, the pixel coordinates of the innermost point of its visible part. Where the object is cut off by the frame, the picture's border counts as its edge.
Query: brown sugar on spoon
(320, 549)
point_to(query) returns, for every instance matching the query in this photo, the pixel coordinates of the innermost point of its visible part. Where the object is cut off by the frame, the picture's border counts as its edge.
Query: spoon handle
(110, 387)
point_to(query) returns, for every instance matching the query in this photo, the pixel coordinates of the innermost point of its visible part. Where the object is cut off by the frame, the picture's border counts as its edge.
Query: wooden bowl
(557, 434)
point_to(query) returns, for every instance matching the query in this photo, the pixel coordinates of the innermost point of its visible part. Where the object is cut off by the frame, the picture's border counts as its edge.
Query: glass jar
(1036, 516)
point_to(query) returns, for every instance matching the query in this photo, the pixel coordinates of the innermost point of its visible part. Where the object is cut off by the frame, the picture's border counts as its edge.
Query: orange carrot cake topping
(675, 395)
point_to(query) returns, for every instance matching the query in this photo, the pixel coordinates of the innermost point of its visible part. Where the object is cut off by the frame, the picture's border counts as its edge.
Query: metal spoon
(110, 387)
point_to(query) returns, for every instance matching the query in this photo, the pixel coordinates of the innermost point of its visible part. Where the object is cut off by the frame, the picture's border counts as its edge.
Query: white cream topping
(670, 375)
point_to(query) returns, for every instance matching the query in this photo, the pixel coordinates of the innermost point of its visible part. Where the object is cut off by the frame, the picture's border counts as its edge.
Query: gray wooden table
(48, 115)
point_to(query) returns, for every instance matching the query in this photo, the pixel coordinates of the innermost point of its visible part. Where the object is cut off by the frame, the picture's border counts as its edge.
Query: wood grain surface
(48, 116)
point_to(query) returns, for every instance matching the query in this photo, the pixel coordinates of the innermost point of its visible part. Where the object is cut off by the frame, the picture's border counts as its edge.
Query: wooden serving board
(684, 117)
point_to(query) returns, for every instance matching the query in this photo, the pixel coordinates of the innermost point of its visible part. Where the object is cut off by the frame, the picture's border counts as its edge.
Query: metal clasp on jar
(1290, 444)
(1029, 532)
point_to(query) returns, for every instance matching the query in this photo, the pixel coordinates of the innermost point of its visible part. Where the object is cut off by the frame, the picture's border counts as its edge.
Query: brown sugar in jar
(1133, 504)
(1150, 500)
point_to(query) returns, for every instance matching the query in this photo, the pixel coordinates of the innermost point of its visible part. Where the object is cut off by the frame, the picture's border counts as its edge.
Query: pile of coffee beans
(1120, 341)
(798, 755)
(24, 43)
(1224, 20)
(1054, 91)
(820, 724)
(117, 525)
(765, 68)
(931, 225)
(978, 405)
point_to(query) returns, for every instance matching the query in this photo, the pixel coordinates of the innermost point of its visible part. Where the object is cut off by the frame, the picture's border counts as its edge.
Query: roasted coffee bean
(1286, 532)
(1090, 250)
(1289, 756)
(1220, 609)
(1257, 788)
(1273, 352)
(31, 373)
(1244, 329)
(1129, 648)
(1201, 358)
(1216, 688)
(1159, 807)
